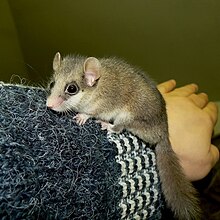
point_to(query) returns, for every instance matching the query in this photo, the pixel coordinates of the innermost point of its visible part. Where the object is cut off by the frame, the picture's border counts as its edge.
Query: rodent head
(73, 81)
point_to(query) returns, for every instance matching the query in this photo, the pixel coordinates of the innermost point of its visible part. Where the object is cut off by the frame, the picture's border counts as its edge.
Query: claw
(105, 125)
(81, 118)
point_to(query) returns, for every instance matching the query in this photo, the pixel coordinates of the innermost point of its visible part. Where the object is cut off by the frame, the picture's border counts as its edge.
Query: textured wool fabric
(51, 168)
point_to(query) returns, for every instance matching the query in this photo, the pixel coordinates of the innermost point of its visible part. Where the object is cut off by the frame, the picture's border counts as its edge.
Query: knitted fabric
(51, 168)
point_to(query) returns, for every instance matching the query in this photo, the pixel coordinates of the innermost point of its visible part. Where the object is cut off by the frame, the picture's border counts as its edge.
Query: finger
(200, 100)
(185, 90)
(212, 110)
(166, 86)
(214, 152)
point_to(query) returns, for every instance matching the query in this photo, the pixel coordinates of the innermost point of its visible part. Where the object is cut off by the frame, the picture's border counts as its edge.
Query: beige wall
(169, 39)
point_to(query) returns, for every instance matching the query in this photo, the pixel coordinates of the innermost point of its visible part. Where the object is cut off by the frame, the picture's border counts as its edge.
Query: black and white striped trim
(139, 177)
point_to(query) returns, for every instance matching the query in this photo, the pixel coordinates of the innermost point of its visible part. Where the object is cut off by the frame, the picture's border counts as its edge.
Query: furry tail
(179, 193)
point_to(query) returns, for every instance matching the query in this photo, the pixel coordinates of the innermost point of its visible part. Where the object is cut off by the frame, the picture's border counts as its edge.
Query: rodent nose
(54, 102)
(49, 105)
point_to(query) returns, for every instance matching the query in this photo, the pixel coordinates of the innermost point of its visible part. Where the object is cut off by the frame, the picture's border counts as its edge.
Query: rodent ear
(91, 70)
(57, 61)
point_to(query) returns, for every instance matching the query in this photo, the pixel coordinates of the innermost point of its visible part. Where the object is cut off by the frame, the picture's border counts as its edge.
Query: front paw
(81, 118)
(106, 126)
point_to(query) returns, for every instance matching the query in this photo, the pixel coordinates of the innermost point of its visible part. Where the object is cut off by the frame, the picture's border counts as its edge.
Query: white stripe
(118, 145)
(125, 189)
(138, 163)
(140, 181)
(146, 160)
(137, 217)
(127, 144)
(124, 209)
(123, 168)
(132, 182)
(132, 203)
(131, 165)
(145, 213)
(135, 141)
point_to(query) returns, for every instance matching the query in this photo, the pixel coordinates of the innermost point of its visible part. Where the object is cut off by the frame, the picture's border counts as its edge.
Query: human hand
(191, 119)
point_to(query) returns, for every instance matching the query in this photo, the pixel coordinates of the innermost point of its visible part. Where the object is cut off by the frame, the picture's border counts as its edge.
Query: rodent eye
(72, 89)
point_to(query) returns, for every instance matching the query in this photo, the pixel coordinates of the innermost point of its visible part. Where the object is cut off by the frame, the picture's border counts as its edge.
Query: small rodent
(109, 89)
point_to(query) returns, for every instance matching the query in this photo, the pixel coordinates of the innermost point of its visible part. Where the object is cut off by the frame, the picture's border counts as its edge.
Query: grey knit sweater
(51, 168)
